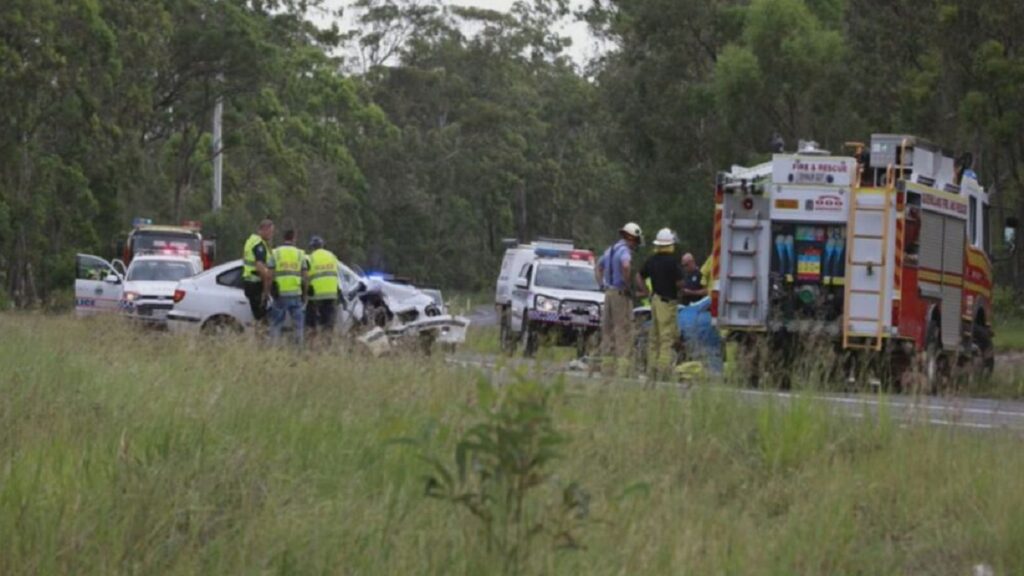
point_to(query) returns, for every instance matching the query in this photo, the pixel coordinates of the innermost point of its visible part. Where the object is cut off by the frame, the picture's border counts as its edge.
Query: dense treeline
(419, 139)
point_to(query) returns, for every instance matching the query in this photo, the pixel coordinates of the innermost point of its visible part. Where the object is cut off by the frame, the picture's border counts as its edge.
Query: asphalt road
(963, 413)
(485, 315)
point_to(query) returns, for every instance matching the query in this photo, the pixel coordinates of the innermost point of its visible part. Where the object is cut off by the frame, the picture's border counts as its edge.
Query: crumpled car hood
(398, 297)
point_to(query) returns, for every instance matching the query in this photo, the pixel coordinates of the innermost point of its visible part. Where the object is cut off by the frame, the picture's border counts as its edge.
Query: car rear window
(231, 278)
(158, 271)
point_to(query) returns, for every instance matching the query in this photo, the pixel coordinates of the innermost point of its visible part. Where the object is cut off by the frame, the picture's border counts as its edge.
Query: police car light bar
(582, 255)
(542, 252)
(138, 221)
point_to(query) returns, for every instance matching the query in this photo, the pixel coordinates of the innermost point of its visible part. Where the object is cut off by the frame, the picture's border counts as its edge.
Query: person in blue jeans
(290, 269)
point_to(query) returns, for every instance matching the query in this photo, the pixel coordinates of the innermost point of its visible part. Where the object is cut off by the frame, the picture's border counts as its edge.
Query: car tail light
(179, 295)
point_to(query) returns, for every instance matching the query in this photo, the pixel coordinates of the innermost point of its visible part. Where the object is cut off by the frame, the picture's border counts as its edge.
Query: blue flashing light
(551, 253)
(139, 221)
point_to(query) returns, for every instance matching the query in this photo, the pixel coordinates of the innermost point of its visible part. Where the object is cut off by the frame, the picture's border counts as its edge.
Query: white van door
(98, 287)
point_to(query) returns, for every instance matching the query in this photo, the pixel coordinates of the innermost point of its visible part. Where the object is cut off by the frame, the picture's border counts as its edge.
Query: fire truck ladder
(748, 252)
(866, 275)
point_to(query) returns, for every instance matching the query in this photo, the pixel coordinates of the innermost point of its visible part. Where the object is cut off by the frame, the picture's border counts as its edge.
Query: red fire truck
(185, 240)
(884, 251)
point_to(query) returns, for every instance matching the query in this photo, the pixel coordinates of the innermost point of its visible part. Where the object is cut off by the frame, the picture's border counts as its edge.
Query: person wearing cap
(666, 277)
(322, 309)
(621, 284)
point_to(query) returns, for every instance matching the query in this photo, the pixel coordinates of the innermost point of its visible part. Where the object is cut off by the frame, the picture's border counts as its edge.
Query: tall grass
(130, 452)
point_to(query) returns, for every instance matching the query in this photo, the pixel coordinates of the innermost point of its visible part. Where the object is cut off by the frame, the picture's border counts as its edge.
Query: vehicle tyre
(221, 326)
(898, 365)
(750, 356)
(979, 363)
(936, 368)
(506, 338)
(986, 349)
(530, 342)
(582, 339)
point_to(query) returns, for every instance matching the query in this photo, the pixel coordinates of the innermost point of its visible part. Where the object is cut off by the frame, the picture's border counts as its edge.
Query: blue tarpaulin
(701, 337)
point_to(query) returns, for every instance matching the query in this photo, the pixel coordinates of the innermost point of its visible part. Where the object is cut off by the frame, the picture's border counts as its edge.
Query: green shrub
(500, 468)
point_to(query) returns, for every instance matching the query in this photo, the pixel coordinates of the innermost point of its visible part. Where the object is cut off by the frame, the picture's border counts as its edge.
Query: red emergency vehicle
(882, 251)
(185, 240)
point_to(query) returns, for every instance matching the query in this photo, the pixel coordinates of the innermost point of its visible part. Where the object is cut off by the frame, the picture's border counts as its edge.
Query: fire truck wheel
(986, 350)
(936, 367)
(900, 371)
(750, 359)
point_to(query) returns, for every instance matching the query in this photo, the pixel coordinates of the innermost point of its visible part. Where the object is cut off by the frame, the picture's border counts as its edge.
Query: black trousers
(321, 314)
(254, 293)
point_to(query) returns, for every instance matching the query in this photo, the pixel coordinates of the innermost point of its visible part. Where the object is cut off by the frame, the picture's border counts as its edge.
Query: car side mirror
(1010, 233)
(522, 282)
(112, 279)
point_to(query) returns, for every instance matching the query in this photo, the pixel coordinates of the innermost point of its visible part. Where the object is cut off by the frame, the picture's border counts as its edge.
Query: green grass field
(129, 452)
(1009, 335)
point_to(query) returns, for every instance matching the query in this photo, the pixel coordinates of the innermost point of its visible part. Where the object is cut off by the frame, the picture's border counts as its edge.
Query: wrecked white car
(387, 308)
(214, 301)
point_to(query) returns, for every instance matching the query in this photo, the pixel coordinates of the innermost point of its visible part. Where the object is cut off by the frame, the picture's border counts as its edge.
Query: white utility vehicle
(143, 292)
(547, 288)
(148, 288)
(214, 301)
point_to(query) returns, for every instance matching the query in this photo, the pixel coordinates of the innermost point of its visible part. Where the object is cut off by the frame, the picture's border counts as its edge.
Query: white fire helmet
(633, 230)
(665, 237)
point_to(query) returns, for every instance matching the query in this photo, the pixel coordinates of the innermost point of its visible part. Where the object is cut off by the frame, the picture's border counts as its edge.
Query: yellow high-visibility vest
(249, 257)
(288, 270)
(323, 274)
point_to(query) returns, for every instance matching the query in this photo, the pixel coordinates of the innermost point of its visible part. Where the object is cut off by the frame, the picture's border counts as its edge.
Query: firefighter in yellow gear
(665, 274)
(705, 272)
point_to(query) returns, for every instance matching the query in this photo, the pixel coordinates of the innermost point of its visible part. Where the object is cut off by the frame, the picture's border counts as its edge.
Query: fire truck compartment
(806, 274)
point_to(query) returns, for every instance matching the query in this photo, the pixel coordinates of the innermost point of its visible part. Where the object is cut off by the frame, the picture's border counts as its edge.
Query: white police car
(547, 288)
(148, 289)
(143, 292)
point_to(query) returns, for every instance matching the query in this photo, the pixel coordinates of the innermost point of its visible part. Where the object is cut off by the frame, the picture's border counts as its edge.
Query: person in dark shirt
(666, 278)
(693, 288)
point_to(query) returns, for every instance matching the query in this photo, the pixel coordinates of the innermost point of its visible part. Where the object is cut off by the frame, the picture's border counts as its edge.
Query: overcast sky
(584, 45)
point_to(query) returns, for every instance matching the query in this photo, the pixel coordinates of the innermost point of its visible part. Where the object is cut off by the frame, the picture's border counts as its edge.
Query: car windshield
(158, 271)
(564, 277)
(349, 278)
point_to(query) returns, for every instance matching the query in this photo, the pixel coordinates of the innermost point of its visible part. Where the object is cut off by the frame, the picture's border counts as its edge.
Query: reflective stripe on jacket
(249, 257)
(287, 266)
(323, 275)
